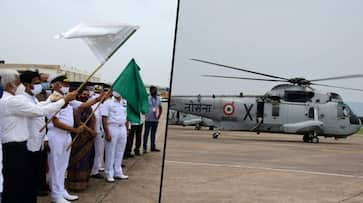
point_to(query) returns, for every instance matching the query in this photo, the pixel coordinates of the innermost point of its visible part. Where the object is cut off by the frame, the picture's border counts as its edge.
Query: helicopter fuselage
(330, 118)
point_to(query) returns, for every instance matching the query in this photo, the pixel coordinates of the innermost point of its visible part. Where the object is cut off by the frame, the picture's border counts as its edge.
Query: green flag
(130, 85)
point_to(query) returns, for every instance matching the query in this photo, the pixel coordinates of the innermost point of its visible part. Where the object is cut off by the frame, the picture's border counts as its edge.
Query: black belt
(14, 143)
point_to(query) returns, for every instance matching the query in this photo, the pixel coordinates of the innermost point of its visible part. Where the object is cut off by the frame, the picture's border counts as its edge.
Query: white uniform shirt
(98, 117)
(15, 111)
(116, 111)
(35, 140)
(65, 116)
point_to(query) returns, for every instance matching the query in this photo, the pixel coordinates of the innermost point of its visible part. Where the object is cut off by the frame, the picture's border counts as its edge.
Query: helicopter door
(260, 111)
(313, 113)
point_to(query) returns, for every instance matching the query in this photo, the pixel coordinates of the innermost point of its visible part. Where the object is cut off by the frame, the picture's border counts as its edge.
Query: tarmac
(246, 167)
(237, 167)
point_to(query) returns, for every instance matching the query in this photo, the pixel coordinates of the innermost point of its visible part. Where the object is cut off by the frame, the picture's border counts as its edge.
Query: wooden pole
(90, 116)
(78, 89)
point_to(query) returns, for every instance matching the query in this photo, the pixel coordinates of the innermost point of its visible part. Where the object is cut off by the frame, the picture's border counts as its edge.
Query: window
(298, 96)
(343, 111)
(275, 110)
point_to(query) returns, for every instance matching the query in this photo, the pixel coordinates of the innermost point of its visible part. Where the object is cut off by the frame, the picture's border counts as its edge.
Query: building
(73, 74)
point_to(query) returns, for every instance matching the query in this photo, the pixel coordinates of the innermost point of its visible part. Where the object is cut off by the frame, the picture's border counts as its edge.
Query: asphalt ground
(246, 167)
(144, 178)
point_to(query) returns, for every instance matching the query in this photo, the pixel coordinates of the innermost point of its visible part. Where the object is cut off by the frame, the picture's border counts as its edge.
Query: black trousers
(42, 173)
(150, 126)
(136, 131)
(38, 160)
(17, 172)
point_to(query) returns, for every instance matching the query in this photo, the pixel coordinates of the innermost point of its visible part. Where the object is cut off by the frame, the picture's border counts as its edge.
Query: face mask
(65, 90)
(116, 94)
(45, 85)
(37, 89)
(1, 91)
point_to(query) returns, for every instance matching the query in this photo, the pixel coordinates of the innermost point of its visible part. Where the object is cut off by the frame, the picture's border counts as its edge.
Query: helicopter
(292, 107)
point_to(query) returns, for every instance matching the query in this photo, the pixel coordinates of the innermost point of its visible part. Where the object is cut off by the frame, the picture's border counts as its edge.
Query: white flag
(103, 40)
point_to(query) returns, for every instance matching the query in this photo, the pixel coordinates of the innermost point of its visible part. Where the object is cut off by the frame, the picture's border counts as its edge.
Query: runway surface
(246, 167)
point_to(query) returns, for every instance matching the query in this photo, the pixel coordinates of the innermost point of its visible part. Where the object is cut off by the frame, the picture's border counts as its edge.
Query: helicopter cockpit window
(343, 111)
(298, 96)
(335, 96)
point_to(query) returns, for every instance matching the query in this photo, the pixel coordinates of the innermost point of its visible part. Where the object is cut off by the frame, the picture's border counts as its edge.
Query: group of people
(71, 131)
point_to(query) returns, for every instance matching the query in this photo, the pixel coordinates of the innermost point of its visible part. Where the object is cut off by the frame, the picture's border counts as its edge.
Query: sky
(288, 38)
(28, 29)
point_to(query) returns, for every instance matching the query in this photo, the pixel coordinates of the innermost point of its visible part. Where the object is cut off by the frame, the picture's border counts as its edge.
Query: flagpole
(89, 117)
(78, 89)
(90, 76)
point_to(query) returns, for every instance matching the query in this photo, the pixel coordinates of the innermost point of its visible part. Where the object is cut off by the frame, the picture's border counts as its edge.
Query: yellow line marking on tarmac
(265, 168)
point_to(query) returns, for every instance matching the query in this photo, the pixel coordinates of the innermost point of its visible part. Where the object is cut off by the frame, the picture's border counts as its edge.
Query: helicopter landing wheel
(216, 135)
(198, 127)
(314, 139)
(306, 138)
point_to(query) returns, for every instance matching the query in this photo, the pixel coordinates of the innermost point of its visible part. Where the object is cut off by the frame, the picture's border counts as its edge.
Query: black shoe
(155, 150)
(137, 153)
(42, 193)
(97, 176)
(145, 151)
(130, 156)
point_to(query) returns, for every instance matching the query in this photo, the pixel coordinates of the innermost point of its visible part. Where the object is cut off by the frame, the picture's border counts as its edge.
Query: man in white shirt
(59, 138)
(32, 87)
(114, 123)
(41, 160)
(15, 112)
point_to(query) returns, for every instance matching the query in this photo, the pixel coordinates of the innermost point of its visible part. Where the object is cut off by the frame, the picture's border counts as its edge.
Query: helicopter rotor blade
(243, 78)
(339, 87)
(339, 77)
(239, 69)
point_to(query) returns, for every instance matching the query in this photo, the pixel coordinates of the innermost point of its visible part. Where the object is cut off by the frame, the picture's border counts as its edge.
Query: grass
(360, 132)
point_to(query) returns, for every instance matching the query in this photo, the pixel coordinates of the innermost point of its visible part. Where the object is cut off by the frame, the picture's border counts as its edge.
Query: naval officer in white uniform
(114, 123)
(59, 138)
(99, 143)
